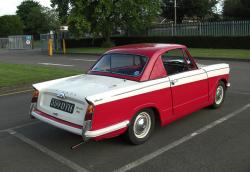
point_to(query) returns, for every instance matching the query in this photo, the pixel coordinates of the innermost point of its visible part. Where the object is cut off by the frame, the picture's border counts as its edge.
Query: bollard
(50, 47)
(64, 47)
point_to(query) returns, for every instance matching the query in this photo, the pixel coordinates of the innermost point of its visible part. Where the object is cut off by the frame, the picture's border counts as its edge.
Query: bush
(108, 44)
(192, 42)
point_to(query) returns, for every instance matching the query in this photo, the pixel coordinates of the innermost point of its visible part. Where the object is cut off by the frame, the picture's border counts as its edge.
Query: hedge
(192, 42)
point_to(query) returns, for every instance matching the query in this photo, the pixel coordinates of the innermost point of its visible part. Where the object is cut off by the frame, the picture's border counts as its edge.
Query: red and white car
(128, 89)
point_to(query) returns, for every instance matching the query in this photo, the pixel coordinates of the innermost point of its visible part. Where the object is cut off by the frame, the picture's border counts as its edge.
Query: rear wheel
(219, 95)
(141, 126)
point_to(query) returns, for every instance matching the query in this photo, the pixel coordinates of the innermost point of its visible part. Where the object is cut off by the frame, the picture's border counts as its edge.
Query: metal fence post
(233, 29)
(172, 29)
(200, 29)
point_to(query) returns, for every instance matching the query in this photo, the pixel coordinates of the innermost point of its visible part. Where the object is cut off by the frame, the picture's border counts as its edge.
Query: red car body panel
(170, 96)
(170, 103)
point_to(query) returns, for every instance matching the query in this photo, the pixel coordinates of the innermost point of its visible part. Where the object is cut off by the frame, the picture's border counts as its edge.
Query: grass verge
(12, 75)
(89, 50)
(220, 53)
(195, 52)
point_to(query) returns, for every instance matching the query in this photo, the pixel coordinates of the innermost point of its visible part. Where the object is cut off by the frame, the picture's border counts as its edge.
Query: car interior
(175, 62)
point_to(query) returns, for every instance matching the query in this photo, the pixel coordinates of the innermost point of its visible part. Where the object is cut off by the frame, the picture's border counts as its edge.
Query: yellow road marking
(16, 92)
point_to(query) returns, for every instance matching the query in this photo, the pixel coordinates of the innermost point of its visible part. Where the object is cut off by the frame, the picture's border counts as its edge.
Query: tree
(139, 15)
(78, 25)
(10, 25)
(236, 9)
(105, 16)
(246, 3)
(51, 18)
(62, 7)
(36, 18)
(35, 22)
(25, 10)
(188, 8)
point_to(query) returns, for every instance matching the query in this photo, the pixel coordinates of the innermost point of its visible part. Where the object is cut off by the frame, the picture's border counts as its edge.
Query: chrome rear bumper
(84, 131)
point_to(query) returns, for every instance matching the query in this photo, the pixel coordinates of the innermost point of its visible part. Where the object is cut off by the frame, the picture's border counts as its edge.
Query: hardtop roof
(145, 49)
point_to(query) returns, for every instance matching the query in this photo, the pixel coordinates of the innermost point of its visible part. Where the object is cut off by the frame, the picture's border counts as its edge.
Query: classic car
(129, 90)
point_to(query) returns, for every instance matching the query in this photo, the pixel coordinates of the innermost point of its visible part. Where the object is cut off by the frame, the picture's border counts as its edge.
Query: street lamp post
(64, 29)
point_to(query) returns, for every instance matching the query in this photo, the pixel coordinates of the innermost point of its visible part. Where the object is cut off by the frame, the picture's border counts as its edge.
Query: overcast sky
(8, 7)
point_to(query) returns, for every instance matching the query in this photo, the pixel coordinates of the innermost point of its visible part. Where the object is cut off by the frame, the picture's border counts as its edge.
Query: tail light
(35, 95)
(90, 112)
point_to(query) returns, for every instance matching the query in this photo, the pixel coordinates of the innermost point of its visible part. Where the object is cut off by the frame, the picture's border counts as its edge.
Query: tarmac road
(37, 57)
(207, 140)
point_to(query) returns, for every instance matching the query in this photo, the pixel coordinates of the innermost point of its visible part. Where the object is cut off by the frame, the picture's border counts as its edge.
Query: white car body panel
(76, 89)
(102, 89)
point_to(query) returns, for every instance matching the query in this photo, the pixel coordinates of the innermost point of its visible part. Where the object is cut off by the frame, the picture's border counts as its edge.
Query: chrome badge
(61, 95)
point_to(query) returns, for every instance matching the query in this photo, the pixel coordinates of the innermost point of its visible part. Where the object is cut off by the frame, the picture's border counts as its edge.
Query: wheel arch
(225, 81)
(154, 108)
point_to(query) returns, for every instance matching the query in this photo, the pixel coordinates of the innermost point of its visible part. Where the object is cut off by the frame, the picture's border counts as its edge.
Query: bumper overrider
(83, 130)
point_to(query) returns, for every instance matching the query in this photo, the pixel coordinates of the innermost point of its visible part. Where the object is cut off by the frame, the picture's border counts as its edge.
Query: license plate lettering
(62, 105)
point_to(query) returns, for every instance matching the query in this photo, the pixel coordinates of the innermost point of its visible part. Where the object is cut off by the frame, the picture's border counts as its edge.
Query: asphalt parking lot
(207, 140)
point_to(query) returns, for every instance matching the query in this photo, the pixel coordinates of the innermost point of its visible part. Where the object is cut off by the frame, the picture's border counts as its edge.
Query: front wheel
(219, 95)
(141, 126)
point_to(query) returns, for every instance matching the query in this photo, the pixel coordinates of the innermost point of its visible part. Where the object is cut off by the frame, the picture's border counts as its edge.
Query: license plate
(62, 105)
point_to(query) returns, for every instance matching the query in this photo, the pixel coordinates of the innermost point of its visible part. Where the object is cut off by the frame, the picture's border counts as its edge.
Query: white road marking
(54, 64)
(48, 152)
(16, 92)
(87, 60)
(176, 143)
(20, 126)
(239, 92)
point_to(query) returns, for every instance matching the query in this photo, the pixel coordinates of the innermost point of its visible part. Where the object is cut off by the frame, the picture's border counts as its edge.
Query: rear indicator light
(90, 112)
(35, 95)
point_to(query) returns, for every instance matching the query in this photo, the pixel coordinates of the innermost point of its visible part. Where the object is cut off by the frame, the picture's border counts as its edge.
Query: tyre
(141, 127)
(219, 95)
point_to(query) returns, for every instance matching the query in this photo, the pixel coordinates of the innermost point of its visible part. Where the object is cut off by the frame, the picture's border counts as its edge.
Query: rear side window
(174, 62)
(124, 64)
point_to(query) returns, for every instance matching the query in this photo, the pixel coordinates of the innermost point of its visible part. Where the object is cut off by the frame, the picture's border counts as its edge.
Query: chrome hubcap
(219, 95)
(142, 125)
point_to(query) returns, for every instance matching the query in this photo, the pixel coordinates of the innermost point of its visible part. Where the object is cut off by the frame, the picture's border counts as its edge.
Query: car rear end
(62, 109)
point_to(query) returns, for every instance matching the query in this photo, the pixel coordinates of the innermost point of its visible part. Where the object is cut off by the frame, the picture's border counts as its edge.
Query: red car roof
(150, 50)
(145, 49)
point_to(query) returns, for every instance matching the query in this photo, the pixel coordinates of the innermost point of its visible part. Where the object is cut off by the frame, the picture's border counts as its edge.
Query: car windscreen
(124, 64)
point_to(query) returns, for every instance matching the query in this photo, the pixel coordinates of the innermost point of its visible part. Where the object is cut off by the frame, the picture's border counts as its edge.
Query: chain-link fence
(20, 42)
(4, 43)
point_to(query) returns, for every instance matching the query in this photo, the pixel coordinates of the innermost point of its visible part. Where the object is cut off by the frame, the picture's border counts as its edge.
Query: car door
(189, 85)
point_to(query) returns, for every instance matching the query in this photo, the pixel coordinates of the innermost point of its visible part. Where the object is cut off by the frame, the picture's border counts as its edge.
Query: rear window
(124, 64)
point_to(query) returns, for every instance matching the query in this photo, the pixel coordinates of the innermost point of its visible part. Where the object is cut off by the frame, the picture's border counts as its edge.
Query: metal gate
(20, 42)
(44, 38)
(44, 41)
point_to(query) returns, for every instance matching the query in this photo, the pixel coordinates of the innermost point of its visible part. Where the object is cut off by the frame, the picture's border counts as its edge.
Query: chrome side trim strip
(106, 130)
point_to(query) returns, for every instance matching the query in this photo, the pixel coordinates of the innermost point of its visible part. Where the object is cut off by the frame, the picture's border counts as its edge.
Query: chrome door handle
(173, 82)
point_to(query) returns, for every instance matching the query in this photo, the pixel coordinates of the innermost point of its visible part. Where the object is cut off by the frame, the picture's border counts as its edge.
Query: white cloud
(8, 7)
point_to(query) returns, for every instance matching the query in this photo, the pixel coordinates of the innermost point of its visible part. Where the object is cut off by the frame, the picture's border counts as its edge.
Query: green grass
(195, 52)
(19, 74)
(222, 53)
(90, 50)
